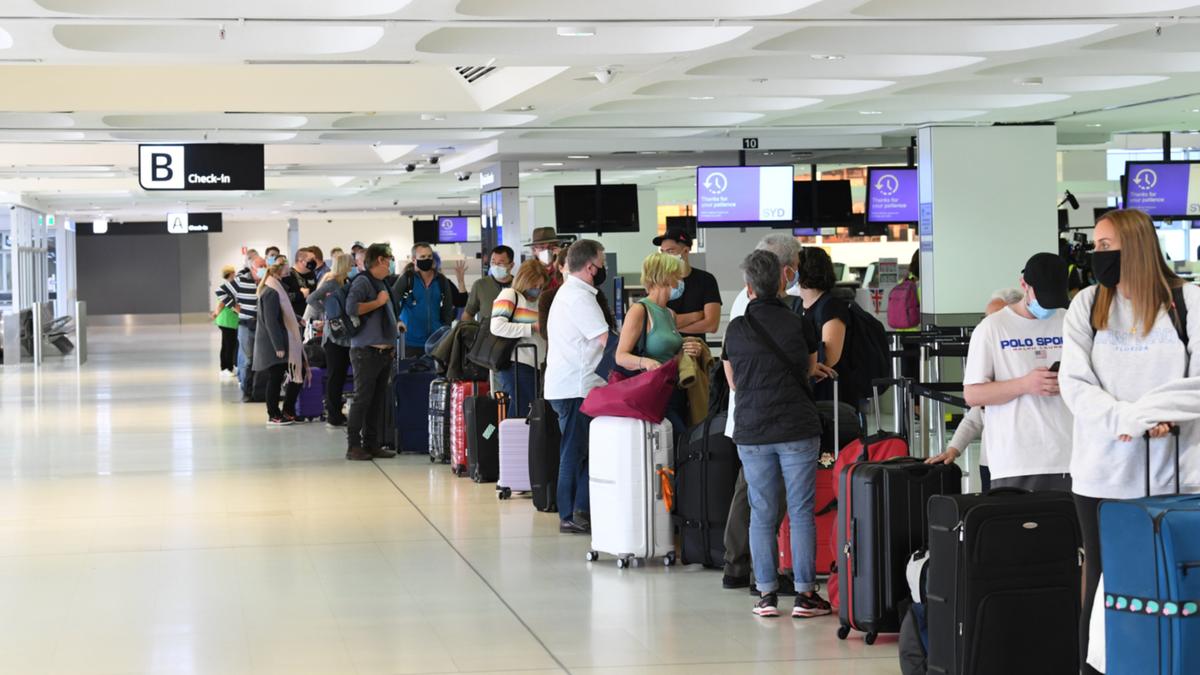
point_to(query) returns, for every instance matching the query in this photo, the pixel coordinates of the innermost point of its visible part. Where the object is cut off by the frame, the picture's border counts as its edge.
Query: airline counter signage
(176, 223)
(201, 166)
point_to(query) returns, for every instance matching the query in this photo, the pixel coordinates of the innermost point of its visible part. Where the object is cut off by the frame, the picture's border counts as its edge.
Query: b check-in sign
(206, 166)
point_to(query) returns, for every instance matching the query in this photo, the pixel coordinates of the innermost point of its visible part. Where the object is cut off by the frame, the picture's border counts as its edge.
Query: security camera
(395, 202)
(462, 176)
(410, 167)
(603, 76)
(434, 160)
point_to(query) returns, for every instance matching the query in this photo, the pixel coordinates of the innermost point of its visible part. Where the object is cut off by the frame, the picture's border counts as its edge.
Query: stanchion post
(81, 327)
(37, 333)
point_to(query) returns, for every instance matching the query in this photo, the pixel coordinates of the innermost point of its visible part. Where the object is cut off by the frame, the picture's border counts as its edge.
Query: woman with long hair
(1127, 370)
(337, 351)
(515, 315)
(278, 349)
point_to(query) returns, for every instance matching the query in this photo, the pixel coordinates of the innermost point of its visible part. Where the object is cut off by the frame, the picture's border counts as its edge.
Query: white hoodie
(1123, 383)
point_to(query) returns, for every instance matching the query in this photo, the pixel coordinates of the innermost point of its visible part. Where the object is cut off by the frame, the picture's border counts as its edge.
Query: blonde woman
(515, 316)
(278, 350)
(337, 351)
(1127, 370)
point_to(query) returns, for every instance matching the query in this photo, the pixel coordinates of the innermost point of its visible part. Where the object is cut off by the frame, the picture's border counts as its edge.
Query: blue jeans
(525, 381)
(764, 466)
(245, 356)
(573, 457)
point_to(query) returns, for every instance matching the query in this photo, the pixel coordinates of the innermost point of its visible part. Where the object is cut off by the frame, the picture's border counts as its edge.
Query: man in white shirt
(1012, 372)
(577, 334)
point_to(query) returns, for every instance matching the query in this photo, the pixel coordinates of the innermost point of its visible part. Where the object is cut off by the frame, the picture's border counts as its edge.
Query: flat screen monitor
(738, 196)
(458, 230)
(806, 231)
(1099, 211)
(892, 195)
(575, 208)
(426, 231)
(1164, 190)
(685, 223)
(830, 198)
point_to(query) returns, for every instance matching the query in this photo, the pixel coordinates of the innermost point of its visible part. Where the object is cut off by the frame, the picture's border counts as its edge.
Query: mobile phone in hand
(1054, 368)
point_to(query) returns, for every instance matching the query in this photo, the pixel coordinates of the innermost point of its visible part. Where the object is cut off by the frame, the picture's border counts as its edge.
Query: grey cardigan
(271, 335)
(316, 303)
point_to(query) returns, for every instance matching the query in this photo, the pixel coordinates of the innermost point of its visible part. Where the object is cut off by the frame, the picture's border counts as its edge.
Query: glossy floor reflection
(151, 524)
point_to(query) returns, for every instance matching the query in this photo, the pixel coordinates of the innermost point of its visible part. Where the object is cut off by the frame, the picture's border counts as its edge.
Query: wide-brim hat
(544, 235)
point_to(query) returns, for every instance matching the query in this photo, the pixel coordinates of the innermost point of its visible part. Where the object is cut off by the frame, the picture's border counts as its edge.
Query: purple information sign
(452, 229)
(1164, 190)
(892, 195)
(744, 194)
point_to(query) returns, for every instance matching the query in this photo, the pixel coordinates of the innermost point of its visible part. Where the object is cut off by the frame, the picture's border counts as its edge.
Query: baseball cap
(1047, 274)
(675, 234)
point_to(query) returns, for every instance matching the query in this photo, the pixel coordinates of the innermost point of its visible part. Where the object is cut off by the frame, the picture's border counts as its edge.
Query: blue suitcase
(410, 401)
(1150, 549)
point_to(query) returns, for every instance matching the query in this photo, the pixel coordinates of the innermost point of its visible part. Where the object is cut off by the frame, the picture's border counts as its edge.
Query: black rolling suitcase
(407, 410)
(1003, 584)
(544, 442)
(481, 416)
(881, 521)
(439, 421)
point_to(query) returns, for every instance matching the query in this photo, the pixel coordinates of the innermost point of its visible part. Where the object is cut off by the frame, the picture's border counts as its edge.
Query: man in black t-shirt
(698, 309)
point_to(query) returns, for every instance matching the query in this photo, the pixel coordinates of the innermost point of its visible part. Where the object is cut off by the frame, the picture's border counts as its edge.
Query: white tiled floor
(150, 524)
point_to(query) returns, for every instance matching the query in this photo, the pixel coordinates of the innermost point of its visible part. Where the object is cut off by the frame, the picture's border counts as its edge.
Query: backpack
(904, 307)
(338, 322)
(1178, 307)
(865, 352)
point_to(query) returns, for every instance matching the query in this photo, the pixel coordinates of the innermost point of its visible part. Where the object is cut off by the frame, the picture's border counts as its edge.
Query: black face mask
(425, 265)
(1106, 265)
(600, 276)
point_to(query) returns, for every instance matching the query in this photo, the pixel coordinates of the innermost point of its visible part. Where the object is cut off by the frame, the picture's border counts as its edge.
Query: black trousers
(229, 349)
(276, 390)
(337, 363)
(372, 375)
(1088, 510)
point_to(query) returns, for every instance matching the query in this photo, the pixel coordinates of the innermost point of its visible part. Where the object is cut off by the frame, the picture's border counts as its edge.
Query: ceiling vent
(473, 74)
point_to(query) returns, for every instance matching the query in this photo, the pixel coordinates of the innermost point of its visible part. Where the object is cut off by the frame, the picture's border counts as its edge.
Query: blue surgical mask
(353, 273)
(533, 293)
(795, 280)
(498, 272)
(270, 260)
(1040, 313)
(391, 267)
(677, 292)
(260, 273)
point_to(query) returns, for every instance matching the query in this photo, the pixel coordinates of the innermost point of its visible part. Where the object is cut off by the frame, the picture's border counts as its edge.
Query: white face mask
(545, 256)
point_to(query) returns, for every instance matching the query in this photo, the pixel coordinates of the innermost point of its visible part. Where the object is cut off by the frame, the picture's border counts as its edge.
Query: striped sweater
(514, 316)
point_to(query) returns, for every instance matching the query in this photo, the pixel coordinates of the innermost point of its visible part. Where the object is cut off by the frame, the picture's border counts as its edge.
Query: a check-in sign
(201, 166)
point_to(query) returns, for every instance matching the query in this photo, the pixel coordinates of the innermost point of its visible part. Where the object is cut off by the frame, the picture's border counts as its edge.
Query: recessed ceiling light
(701, 98)
(432, 117)
(1095, 124)
(648, 152)
(551, 164)
(524, 108)
(1030, 81)
(579, 156)
(1195, 110)
(576, 31)
(826, 57)
(870, 112)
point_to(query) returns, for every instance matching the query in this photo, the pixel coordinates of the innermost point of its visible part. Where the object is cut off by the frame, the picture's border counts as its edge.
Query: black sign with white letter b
(206, 166)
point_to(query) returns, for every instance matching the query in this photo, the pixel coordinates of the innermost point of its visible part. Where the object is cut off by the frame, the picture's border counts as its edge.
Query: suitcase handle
(1007, 491)
(516, 383)
(1175, 433)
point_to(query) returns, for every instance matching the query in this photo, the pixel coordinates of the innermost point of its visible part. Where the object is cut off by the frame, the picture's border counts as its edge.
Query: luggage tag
(489, 431)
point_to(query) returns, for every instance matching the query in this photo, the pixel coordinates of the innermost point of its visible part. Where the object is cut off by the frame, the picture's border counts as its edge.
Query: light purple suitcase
(310, 404)
(514, 444)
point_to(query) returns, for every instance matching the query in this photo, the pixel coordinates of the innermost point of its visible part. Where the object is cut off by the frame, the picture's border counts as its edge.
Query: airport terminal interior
(152, 522)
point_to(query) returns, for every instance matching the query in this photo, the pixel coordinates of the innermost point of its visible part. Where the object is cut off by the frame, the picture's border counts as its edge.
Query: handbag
(643, 397)
(492, 351)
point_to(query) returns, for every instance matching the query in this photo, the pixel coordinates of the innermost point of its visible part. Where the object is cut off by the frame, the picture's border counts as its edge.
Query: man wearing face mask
(485, 290)
(1011, 371)
(425, 297)
(698, 307)
(245, 285)
(545, 245)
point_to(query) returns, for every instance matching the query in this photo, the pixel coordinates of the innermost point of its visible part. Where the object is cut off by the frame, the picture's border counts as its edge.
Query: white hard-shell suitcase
(630, 519)
(514, 440)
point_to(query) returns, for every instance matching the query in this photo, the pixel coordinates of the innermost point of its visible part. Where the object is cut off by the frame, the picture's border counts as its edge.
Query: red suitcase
(825, 507)
(460, 392)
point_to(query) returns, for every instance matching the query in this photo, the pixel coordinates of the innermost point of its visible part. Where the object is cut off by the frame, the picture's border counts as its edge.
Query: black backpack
(866, 351)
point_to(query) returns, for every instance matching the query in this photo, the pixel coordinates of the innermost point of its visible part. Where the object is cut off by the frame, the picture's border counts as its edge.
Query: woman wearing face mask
(337, 351)
(514, 315)
(278, 351)
(1128, 368)
(649, 337)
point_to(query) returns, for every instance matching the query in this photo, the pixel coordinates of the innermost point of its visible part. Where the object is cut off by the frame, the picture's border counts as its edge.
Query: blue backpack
(338, 322)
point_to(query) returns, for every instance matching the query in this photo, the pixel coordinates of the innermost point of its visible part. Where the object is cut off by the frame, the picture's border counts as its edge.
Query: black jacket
(773, 405)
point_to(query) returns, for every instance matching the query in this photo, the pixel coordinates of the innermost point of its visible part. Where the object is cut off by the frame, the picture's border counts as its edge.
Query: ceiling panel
(728, 86)
(865, 66)
(226, 8)
(1016, 9)
(248, 40)
(929, 39)
(614, 134)
(1103, 64)
(952, 101)
(1059, 84)
(207, 121)
(609, 40)
(1182, 37)
(433, 120)
(551, 10)
(10, 120)
(173, 136)
(708, 104)
(845, 121)
(677, 119)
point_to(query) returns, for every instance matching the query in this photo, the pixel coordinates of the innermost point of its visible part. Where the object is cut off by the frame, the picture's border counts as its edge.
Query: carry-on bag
(514, 436)
(439, 421)
(460, 392)
(706, 469)
(482, 416)
(410, 400)
(545, 440)
(882, 519)
(1150, 549)
(310, 403)
(629, 464)
(1003, 587)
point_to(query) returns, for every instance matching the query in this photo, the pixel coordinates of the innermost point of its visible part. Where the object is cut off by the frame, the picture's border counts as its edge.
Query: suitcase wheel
(843, 632)
(504, 493)
(669, 559)
(623, 563)
(432, 459)
(592, 556)
(870, 638)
